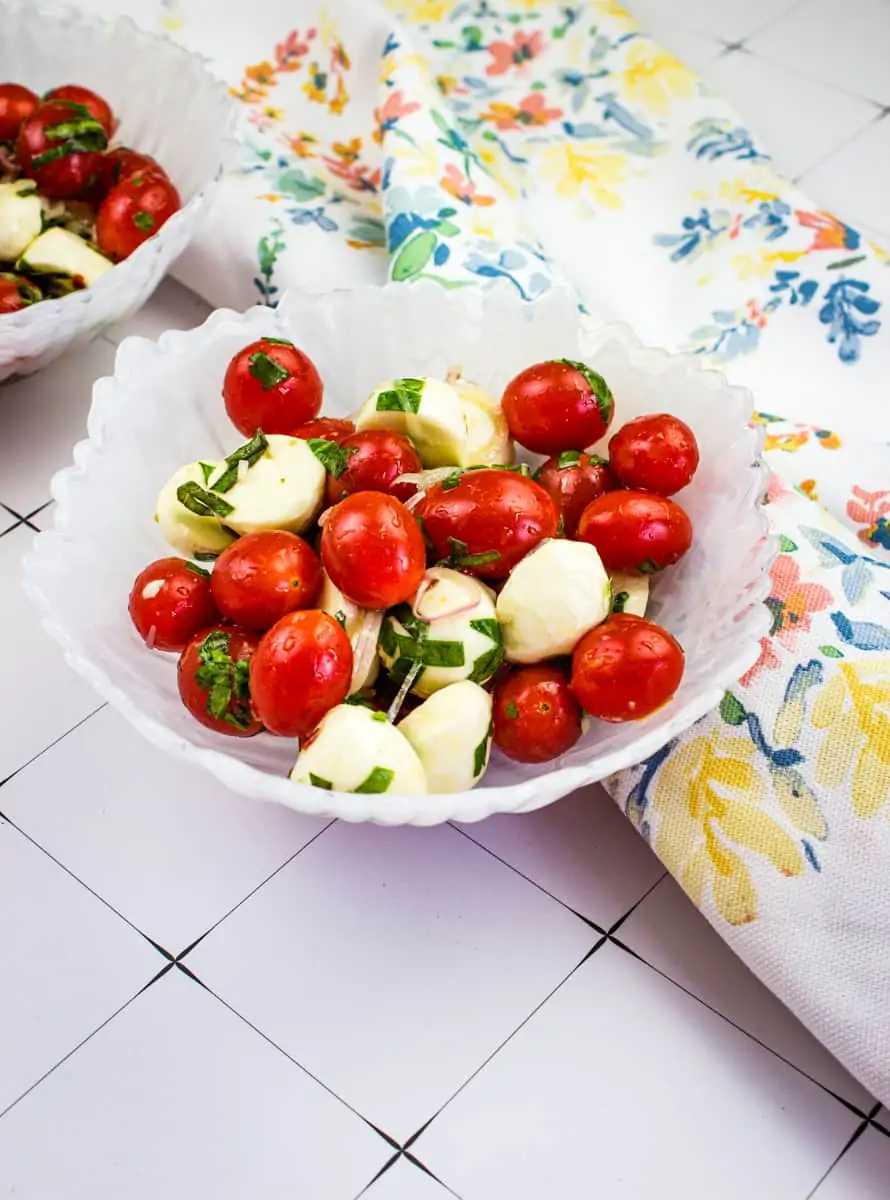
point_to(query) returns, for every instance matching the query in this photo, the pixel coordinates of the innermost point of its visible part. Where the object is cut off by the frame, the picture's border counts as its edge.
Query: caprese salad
(71, 203)
(397, 593)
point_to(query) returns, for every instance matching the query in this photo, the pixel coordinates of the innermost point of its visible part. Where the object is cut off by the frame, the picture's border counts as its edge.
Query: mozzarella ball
(428, 411)
(451, 732)
(187, 532)
(488, 440)
(360, 625)
(283, 489)
(551, 599)
(355, 749)
(449, 626)
(630, 594)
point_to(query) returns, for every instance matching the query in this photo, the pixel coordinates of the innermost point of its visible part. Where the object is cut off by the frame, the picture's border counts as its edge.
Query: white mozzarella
(187, 532)
(283, 489)
(362, 627)
(427, 410)
(451, 732)
(455, 631)
(21, 218)
(630, 594)
(488, 440)
(551, 599)
(355, 749)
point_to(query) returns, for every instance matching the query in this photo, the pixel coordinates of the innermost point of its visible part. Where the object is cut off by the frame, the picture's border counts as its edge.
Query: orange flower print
(808, 487)
(830, 233)
(458, 186)
(391, 112)
(792, 602)
(767, 661)
(346, 166)
(302, 145)
(871, 509)
(261, 76)
(531, 111)
(506, 55)
(294, 48)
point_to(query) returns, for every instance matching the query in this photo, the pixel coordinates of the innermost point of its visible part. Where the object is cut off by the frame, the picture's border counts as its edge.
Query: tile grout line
(54, 742)
(851, 1141)
(798, 180)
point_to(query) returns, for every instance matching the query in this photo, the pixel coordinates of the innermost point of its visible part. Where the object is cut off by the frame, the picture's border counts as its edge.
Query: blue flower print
(698, 233)
(720, 139)
(845, 310)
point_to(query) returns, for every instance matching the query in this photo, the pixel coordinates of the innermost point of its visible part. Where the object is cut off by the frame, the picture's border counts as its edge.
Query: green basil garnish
(251, 452)
(378, 781)
(601, 392)
(201, 502)
(619, 602)
(332, 457)
(265, 369)
(404, 396)
(568, 458)
(317, 781)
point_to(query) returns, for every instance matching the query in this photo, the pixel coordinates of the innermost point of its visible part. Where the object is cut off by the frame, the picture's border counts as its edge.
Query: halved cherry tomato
(214, 679)
(536, 717)
(120, 163)
(16, 292)
(657, 453)
(373, 550)
(61, 150)
(263, 576)
(273, 386)
(133, 211)
(636, 532)
(170, 602)
(484, 522)
(375, 457)
(16, 105)
(558, 405)
(302, 668)
(95, 106)
(572, 479)
(330, 429)
(626, 668)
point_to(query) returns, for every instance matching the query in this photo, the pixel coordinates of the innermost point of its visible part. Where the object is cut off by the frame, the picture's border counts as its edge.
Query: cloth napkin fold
(529, 142)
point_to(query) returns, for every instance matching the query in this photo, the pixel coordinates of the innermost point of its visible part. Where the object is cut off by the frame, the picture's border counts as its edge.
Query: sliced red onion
(407, 683)
(364, 646)
(433, 575)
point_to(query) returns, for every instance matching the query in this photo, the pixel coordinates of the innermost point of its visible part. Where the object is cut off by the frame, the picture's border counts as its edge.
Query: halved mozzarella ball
(551, 599)
(451, 732)
(362, 627)
(449, 627)
(429, 411)
(488, 440)
(354, 749)
(187, 532)
(283, 489)
(630, 594)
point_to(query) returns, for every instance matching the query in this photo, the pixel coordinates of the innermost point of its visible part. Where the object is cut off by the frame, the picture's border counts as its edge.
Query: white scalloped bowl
(163, 408)
(169, 106)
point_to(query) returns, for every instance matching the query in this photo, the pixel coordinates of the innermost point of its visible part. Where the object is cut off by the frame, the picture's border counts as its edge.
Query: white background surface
(204, 998)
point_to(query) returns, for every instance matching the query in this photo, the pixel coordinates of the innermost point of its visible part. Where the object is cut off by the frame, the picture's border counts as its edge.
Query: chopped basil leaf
(451, 481)
(279, 342)
(486, 664)
(568, 458)
(461, 557)
(251, 452)
(378, 716)
(378, 781)
(190, 566)
(480, 754)
(207, 470)
(242, 679)
(442, 654)
(597, 460)
(201, 502)
(332, 457)
(206, 555)
(489, 626)
(76, 107)
(561, 526)
(144, 221)
(647, 567)
(224, 680)
(340, 618)
(601, 392)
(510, 709)
(265, 369)
(517, 468)
(358, 699)
(317, 781)
(619, 601)
(404, 396)
(239, 717)
(388, 642)
(404, 614)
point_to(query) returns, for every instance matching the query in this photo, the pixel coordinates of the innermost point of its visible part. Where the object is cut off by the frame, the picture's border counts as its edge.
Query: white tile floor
(405, 1015)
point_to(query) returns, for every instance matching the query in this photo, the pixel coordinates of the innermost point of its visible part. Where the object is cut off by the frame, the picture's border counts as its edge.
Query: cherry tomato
(303, 667)
(376, 457)
(214, 679)
(484, 522)
(536, 717)
(16, 105)
(16, 292)
(572, 479)
(373, 550)
(558, 405)
(636, 532)
(95, 106)
(273, 386)
(119, 164)
(657, 453)
(170, 602)
(263, 576)
(330, 429)
(133, 211)
(61, 150)
(626, 668)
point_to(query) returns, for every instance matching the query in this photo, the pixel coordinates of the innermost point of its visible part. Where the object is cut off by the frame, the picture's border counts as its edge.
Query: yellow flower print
(708, 795)
(737, 190)
(854, 709)
(762, 265)
(654, 78)
(421, 11)
(611, 8)
(576, 171)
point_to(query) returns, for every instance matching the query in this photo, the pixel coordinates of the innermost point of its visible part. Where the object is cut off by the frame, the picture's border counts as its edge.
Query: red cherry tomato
(657, 453)
(273, 386)
(558, 405)
(16, 292)
(263, 576)
(572, 479)
(486, 521)
(373, 550)
(636, 532)
(61, 150)
(170, 602)
(536, 717)
(95, 106)
(376, 457)
(214, 679)
(626, 668)
(302, 668)
(133, 211)
(16, 105)
(330, 429)
(119, 164)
